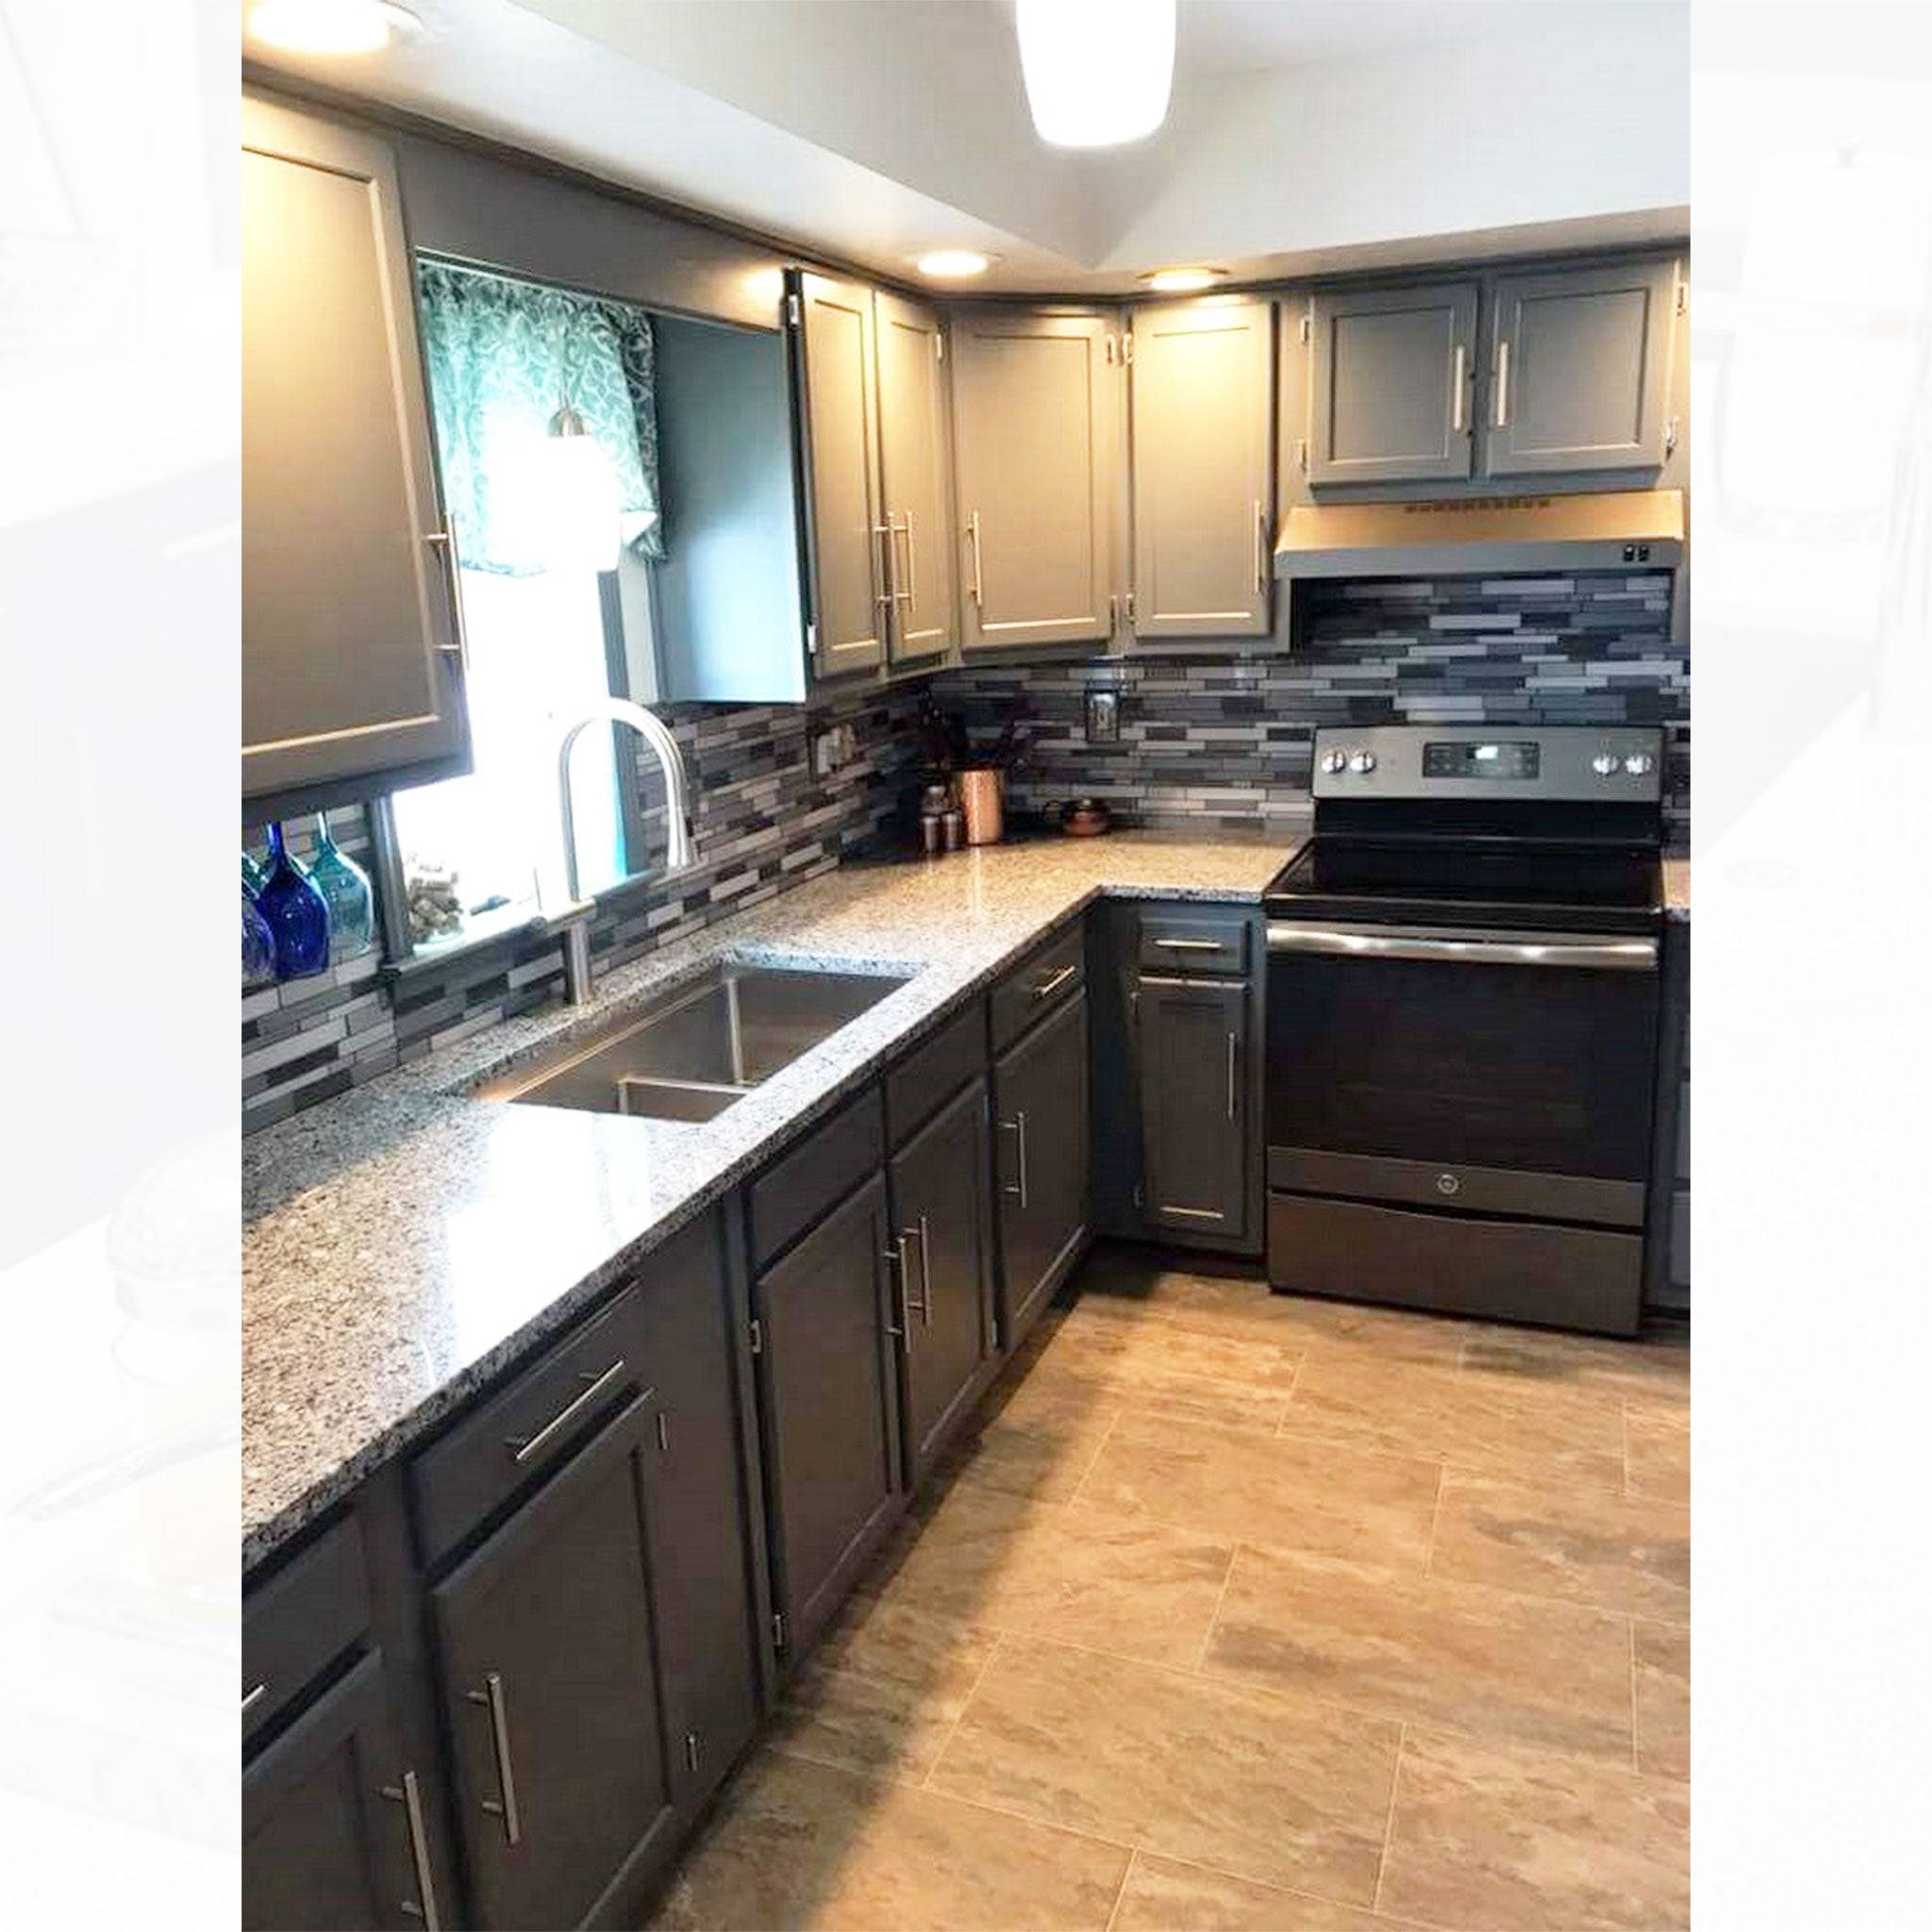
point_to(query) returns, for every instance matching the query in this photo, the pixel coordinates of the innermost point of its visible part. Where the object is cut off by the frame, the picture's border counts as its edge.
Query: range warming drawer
(1460, 1187)
(1502, 1268)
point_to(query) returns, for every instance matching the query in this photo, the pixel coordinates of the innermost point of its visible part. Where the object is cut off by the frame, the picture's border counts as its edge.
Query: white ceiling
(1305, 135)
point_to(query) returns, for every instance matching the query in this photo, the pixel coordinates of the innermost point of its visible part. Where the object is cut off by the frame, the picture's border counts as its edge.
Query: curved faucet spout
(651, 728)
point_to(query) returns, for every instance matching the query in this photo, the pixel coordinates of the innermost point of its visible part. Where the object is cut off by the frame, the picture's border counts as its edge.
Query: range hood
(1608, 529)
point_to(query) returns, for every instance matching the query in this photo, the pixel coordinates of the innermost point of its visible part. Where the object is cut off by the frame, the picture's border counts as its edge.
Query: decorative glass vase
(258, 945)
(253, 877)
(345, 886)
(296, 912)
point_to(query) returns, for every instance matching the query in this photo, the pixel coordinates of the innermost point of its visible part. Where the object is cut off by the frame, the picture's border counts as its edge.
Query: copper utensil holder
(982, 795)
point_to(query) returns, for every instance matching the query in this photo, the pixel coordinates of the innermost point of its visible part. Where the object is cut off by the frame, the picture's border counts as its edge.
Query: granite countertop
(403, 1243)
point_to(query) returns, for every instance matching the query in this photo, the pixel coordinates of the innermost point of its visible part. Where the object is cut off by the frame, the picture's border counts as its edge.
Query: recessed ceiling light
(1181, 281)
(331, 26)
(955, 264)
(1098, 72)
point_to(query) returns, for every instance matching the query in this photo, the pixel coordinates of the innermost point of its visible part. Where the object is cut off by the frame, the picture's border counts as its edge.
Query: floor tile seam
(1207, 1644)
(1422, 1730)
(1120, 1890)
(1462, 1476)
(1389, 1819)
(1621, 1607)
(1290, 1892)
(993, 1649)
(1093, 1461)
(1513, 1477)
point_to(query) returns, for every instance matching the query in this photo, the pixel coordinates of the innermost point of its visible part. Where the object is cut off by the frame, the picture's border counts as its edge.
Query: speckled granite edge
(308, 1439)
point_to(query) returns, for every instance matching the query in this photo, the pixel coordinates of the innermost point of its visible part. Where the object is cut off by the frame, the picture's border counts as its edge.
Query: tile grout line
(1635, 1756)
(1094, 1462)
(1234, 1553)
(1623, 1430)
(1436, 1517)
(999, 1639)
(1128, 1873)
(1388, 1827)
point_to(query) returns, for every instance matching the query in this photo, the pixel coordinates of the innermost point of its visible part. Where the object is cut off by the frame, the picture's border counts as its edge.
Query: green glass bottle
(345, 886)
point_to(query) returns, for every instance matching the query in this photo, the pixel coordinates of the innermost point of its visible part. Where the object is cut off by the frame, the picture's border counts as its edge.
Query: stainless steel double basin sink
(698, 1047)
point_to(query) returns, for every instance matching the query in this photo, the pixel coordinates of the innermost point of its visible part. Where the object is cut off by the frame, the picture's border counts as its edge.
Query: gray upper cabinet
(1392, 378)
(917, 461)
(845, 526)
(1035, 413)
(350, 647)
(1578, 368)
(1202, 377)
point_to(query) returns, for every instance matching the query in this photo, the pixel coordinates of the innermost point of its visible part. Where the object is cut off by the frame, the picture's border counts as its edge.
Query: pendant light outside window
(1098, 72)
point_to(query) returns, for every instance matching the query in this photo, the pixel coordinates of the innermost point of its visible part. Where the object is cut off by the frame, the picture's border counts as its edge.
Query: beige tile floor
(1247, 1613)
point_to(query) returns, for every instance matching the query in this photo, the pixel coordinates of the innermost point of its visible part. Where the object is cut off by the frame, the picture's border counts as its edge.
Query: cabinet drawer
(1049, 975)
(300, 1621)
(1184, 946)
(932, 1073)
(823, 1166)
(526, 1427)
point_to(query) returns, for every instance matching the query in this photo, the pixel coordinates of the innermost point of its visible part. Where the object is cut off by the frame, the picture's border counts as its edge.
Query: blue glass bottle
(253, 877)
(345, 886)
(296, 912)
(258, 945)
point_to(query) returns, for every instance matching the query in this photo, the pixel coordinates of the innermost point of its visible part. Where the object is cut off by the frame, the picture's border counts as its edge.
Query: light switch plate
(1103, 717)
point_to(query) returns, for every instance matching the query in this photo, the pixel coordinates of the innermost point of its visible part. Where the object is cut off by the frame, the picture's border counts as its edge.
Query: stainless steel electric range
(1462, 1022)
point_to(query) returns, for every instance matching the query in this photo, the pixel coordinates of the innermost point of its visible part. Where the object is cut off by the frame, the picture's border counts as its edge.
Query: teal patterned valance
(502, 356)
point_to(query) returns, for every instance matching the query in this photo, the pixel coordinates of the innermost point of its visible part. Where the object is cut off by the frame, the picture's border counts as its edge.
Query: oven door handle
(1500, 949)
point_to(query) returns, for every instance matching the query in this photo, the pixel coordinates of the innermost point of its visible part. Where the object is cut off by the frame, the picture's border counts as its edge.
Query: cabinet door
(1579, 369)
(351, 661)
(330, 1819)
(552, 1685)
(845, 525)
(1193, 1055)
(705, 1616)
(1391, 377)
(1036, 402)
(830, 1402)
(1041, 1162)
(941, 1217)
(918, 477)
(1202, 384)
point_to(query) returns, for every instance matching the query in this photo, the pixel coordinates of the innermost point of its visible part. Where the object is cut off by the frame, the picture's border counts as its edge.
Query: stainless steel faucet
(679, 850)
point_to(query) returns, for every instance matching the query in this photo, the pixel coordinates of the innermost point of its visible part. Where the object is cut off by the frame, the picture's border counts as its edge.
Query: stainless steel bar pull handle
(522, 1447)
(251, 1698)
(410, 1796)
(924, 1273)
(888, 531)
(894, 1257)
(915, 1234)
(1188, 945)
(1357, 942)
(1503, 385)
(490, 1697)
(1017, 1126)
(1231, 1051)
(1053, 982)
(458, 647)
(1261, 548)
(1457, 375)
(973, 537)
(910, 593)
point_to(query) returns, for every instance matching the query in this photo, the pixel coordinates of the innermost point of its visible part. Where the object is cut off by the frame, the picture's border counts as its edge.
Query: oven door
(1486, 1072)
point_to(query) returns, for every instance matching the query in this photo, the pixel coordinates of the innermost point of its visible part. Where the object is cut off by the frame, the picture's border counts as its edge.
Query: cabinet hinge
(1670, 436)
(1307, 325)
(1128, 346)
(938, 345)
(778, 1630)
(1683, 297)
(1113, 613)
(691, 1750)
(1109, 350)
(663, 1433)
(811, 640)
(791, 311)
(758, 1336)
(1140, 1197)
(1130, 607)
(1300, 453)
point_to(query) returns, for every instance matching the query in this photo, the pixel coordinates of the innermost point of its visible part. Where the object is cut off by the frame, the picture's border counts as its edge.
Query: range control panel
(1554, 761)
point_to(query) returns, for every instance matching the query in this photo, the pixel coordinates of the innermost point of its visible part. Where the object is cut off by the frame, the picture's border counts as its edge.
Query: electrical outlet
(1103, 717)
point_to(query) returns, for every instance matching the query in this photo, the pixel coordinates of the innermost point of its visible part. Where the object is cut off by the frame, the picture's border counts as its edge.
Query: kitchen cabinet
(708, 1619)
(917, 464)
(551, 1675)
(1392, 374)
(1196, 1103)
(1667, 1257)
(829, 1405)
(1036, 417)
(1040, 1088)
(332, 1821)
(1578, 363)
(350, 639)
(837, 346)
(941, 1215)
(1202, 382)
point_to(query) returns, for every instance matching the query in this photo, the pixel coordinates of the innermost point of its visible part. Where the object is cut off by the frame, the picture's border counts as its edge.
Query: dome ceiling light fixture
(1098, 72)
(331, 26)
(955, 264)
(1183, 281)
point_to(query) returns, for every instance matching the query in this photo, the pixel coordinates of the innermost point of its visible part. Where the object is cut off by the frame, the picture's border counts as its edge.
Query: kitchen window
(545, 411)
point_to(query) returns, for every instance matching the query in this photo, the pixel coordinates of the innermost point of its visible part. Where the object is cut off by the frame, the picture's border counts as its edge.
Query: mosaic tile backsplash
(1230, 738)
(1219, 737)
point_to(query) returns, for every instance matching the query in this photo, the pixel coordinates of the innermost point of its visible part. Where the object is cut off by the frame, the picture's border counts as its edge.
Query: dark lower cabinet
(1194, 1104)
(828, 1399)
(551, 1677)
(706, 1620)
(1039, 1089)
(331, 1819)
(941, 1218)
